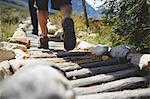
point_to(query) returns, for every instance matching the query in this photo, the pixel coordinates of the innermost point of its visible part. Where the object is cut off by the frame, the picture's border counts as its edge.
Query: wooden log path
(91, 77)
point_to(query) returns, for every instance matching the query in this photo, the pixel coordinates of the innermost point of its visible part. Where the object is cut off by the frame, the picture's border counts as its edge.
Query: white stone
(22, 25)
(51, 28)
(5, 70)
(59, 33)
(20, 40)
(19, 54)
(28, 21)
(12, 46)
(19, 33)
(83, 45)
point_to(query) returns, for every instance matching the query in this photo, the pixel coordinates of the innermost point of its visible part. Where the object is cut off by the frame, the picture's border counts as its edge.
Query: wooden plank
(128, 83)
(65, 54)
(85, 72)
(105, 77)
(86, 61)
(109, 62)
(127, 94)
(81, 59)
(113, 61)
(70, 68)
(66, 64)
(41, 54)
(78, 57)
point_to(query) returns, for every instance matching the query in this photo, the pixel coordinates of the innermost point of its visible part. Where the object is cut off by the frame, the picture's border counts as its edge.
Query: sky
(96, 3)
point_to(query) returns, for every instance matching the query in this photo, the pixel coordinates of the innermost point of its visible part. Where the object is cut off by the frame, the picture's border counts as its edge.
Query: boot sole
(69, 34)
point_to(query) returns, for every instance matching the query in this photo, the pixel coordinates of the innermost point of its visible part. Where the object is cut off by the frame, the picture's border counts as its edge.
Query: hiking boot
(69, 34)
(44, 43)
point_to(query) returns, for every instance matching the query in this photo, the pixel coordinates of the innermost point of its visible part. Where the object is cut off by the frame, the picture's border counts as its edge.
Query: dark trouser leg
(33, 13)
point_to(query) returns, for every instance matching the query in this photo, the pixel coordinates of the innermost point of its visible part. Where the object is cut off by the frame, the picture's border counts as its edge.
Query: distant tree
(131, 19)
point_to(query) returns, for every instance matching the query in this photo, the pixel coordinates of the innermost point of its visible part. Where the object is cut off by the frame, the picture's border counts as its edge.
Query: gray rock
(100, 50)
(119, 51)
(83, 45)
(36, 81)
(16, 64)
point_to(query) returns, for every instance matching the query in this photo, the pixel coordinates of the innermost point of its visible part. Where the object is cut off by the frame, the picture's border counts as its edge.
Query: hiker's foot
(44, 43)
(69, 34)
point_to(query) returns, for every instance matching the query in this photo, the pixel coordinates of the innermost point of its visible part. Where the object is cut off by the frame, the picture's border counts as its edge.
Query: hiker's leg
(42, 17)
(65, 7)
(66, 10)
(42, 12)
(33, 14)
(42, 6)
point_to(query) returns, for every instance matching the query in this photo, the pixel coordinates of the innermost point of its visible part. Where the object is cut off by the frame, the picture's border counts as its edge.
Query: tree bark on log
(128, 83)
(77, 57)
(85, 72)
(86, 61)
(65, 54)
(105, 77)
(127, 94)
(99, 63)
(113, 61)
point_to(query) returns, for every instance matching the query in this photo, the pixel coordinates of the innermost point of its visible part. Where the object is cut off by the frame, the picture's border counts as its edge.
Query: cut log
(41, 54)
(70, 68)
(87, 61)
(104, 63)
(127, 94)
(113, 61)
(128, 83)
(77, 57)
(105, 77)
(85, 72)
(66, 64)
(65, 54)
(56, 60)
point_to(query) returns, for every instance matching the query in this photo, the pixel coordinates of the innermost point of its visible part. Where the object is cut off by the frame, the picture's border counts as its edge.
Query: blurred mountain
(17, 3)
(77, 6)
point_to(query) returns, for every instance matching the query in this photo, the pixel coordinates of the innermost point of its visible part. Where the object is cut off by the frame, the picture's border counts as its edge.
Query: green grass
(9, 20)
(7, 30)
